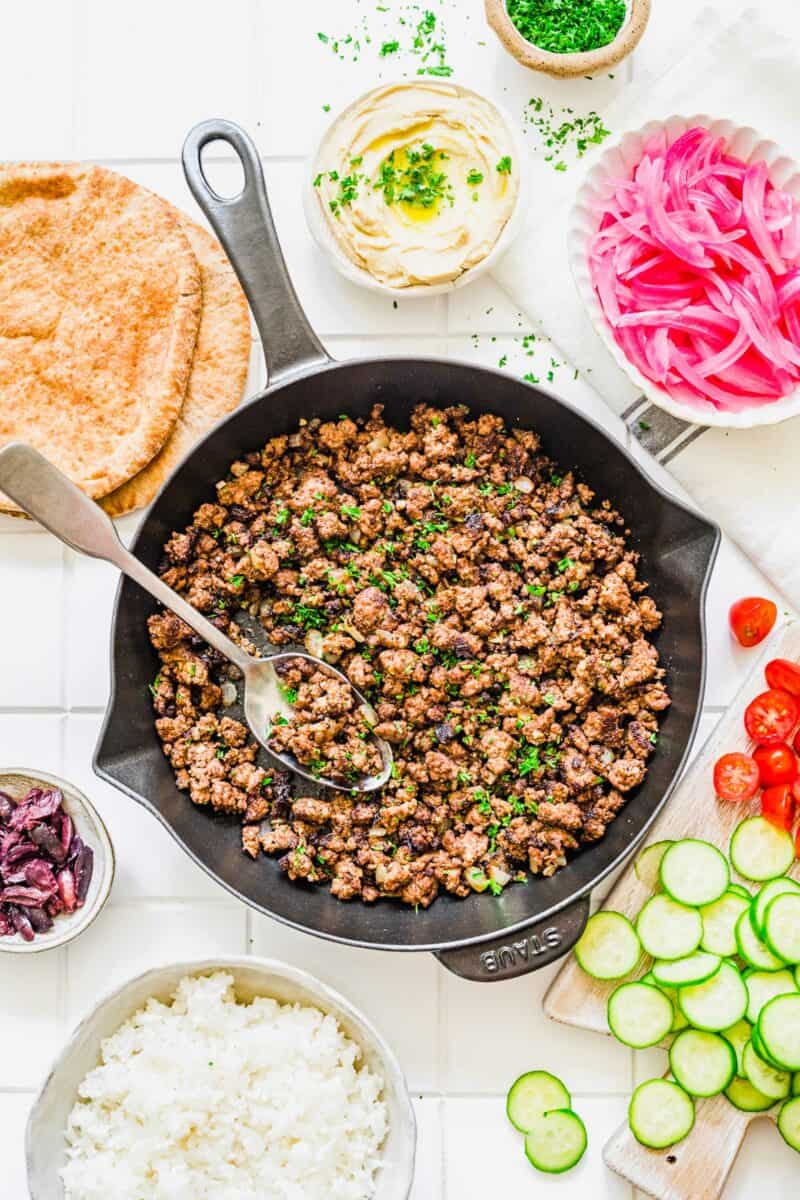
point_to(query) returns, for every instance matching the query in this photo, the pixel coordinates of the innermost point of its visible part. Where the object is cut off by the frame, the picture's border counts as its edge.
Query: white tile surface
(123, 83)
(31, 604)
(127, 939)
(520, 1038)
(149, 71)
(482, 1148)
(14, 1109)
(377, 982)
(31, 1008)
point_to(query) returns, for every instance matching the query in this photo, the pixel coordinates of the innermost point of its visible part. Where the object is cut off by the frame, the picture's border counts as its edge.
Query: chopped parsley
(504, 165)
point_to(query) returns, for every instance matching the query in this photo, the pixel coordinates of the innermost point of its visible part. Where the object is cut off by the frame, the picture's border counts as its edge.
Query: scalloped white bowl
(45, 1144)
(619, 158)
(320, 230)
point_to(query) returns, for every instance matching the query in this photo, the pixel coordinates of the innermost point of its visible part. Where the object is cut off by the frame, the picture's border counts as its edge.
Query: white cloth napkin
(747, 480)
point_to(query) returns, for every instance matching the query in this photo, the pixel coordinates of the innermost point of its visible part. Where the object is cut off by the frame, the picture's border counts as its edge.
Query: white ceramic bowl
(320, 230)
(44, 1137)
(619, 158)
(88, 823)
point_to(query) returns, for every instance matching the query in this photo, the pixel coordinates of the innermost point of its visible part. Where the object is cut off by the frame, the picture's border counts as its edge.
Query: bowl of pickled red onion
(684, 243)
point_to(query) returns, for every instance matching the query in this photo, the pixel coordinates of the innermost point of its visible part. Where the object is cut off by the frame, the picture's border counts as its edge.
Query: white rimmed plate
(619, 158)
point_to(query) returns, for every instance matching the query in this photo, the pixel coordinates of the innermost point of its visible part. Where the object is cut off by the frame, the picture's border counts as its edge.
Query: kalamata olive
(44, 837)
(40, 919)
(7, 807)
(75, 847)
(21, 923)
(83, 870)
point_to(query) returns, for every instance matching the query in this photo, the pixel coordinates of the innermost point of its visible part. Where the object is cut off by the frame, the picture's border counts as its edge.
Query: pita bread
(218, 374)
(99, 311)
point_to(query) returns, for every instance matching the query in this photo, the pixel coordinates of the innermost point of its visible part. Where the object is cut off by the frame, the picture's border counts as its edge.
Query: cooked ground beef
(326, 728)
(484, 602)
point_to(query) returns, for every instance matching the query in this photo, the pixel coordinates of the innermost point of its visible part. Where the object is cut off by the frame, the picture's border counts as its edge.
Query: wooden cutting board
(697, 1168)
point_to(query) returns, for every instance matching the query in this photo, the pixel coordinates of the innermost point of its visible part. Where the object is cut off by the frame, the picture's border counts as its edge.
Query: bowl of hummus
(416, 187)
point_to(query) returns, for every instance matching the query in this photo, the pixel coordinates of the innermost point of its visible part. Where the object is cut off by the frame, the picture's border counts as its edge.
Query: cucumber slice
(768, 1079)
(796, 1084)
(782, 926)
(775, 887)
(789, 1123)
(694, 872)
(716, 1004)
(751, 948)
(704, 1064)
(719, 923)
(738, 1035)
(678, 972)
(639, 1015)
(763, 986)
(679, 1021)
(747, 1098)
(660, 1113)
(668, 929)
(779, 1030)
(557, 1143)
(648, 863)
(609, 947)
(531, 1096)
(740, 890)
(761, 851)
(762, 1051)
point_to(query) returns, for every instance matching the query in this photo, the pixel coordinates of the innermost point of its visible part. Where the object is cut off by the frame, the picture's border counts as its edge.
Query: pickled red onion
(696, 265)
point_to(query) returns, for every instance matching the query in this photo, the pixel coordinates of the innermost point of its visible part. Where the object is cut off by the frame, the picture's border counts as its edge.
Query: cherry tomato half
(751, 619)
(778, 805)
(796, 793)
(771, 717)
(776, 764)
(783, 675)
(736, 777)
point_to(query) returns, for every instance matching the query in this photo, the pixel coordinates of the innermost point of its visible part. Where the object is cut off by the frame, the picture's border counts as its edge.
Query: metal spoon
(55, 502)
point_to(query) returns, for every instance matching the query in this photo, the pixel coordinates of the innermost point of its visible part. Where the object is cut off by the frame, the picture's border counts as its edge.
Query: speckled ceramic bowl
(322, 234)
(44, 1137)
(619, 158)
(569, 65)
(16, 781)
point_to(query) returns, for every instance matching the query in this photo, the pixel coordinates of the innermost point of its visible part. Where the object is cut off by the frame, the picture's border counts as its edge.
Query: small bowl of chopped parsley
(569, 37)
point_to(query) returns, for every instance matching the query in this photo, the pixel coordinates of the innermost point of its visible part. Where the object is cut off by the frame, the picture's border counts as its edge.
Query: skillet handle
(246, 229)
(521, 952)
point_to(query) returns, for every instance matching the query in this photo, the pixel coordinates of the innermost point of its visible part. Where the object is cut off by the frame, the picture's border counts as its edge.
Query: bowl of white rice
(232, 1079)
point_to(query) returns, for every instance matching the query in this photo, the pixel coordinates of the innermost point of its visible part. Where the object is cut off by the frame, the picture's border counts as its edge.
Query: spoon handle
(56, 503)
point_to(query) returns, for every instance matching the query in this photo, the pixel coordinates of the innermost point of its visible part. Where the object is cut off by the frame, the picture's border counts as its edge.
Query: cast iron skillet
(481, 938)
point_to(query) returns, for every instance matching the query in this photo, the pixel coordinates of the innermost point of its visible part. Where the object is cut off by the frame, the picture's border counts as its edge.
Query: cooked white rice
(206, 1097)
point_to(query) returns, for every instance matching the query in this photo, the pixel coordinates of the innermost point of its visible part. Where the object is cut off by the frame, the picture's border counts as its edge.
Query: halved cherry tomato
(736, 777)
(796, 793)
(771, 717)
(784, 675)
(778, 805)
(751, 619)
(776, 764)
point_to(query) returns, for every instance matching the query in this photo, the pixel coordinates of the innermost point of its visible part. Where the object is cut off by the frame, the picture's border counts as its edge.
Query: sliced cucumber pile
(538, 1105)
(724, 983)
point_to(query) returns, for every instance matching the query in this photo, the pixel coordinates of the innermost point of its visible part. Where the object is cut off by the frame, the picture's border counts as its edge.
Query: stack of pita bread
(124, 334)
